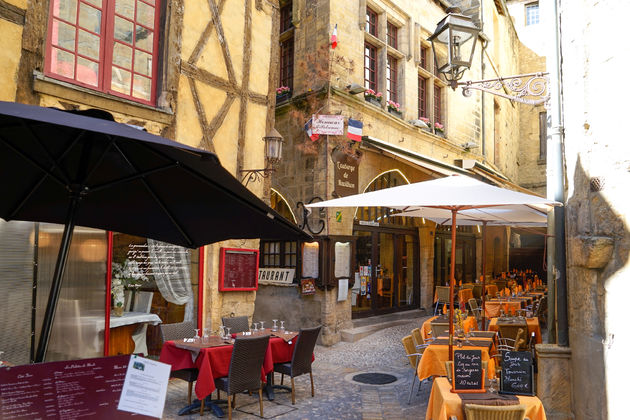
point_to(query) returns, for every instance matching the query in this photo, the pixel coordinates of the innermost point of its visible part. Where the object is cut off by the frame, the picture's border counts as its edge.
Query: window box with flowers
(427, 122)
(439, 129)
(372, 97)
(283, 93)
(394, 108)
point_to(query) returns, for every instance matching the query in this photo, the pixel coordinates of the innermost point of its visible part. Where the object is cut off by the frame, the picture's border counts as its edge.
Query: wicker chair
(439, 329)
(417, 337)
(477, 291)
(443, 298)
(414, 353)
(248, 356)
(301, 360)
(236, 324)
(490, 412)
(178, 331)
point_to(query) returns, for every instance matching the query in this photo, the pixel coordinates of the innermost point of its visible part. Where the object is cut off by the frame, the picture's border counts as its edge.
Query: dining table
(469, 324)
(464, 295)
(212, 358)
(494, 306)
(533, 326)
(432, 362)
(443, 403)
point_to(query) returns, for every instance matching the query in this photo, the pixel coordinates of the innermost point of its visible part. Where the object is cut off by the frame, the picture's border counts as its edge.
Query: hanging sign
(328, 124)
(346, 169)
(276, 275)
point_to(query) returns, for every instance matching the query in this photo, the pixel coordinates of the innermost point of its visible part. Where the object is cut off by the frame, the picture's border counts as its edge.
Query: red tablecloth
(214, 362)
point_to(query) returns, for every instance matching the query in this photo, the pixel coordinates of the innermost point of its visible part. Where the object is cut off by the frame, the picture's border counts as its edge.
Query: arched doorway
(387, 277)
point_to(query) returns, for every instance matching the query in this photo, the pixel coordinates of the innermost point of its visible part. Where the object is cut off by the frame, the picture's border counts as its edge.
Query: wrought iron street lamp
(458, 34)
(273, 156)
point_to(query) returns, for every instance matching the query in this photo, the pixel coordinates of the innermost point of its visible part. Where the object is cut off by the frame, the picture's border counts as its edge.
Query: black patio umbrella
(63, 167)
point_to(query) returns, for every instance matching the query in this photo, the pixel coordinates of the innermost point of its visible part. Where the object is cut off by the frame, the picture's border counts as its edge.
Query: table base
(268, 388)
(208, 405)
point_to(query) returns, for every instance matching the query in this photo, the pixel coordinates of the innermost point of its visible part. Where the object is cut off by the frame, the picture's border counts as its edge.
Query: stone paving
(336, 395)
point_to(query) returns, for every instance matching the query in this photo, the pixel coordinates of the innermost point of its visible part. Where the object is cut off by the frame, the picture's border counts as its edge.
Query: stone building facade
(383, 45)
(202, 75)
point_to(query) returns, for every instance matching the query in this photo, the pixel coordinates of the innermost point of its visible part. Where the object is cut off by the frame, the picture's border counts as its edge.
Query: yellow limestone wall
(9, 58)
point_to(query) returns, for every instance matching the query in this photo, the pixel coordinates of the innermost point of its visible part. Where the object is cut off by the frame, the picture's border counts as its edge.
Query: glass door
(385, 274)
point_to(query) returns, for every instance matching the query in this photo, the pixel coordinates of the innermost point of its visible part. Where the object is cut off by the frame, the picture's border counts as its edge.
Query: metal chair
(301, 360)
(178, 331)
(439, 329)
(248, 356)
(498, 412)
(443, 298)
(476, 310)
(414, 353)
(236, 324)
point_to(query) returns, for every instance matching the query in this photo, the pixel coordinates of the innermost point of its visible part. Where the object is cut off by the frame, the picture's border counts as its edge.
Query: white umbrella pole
(452, 284)
(483, 278)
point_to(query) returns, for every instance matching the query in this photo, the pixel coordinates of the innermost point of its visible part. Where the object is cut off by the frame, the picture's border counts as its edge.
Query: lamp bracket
(530, 89)
(256, 175)
(306, 213)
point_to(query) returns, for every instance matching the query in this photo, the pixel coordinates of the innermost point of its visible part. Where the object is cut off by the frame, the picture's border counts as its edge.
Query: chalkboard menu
(468, 375)
(517, 373)
(65, 390)
(238, 269)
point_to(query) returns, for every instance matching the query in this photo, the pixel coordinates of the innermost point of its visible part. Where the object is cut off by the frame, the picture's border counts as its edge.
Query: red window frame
(286, 17)
(422, 96)
(437, 104)
(371, 22)
(423, 57)
(392, 35)
(370, 66)
(106, 47)
(286, 63)
(392, 78)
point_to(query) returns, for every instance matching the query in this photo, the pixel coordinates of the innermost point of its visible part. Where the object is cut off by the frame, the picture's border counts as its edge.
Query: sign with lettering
(517, 373)
(468, 374)
(276, 275)
(158, 258)
(328, 124)
(66, 389)
(238, 269)
(346, 173)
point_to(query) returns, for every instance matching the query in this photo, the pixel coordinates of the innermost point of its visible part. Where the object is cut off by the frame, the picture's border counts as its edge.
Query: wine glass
(275, 325)
(221, 331)
(492, 383)
(262, 325)
(282, 326)
(206, 335)
(197, 337)
(227, 334)
(255, 326)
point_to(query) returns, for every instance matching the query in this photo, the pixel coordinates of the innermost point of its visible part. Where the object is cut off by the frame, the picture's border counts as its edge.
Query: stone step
(365, 326)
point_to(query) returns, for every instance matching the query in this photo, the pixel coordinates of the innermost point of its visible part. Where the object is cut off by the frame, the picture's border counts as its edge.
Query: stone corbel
(297, 14)
(591, 251)
(362, 7)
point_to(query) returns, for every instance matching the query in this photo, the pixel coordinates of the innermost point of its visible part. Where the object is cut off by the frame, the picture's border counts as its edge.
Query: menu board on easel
(238, 269)
(468, 374)
(517, 373)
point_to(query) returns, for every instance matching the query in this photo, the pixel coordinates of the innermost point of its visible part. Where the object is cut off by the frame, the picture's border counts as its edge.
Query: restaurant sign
(346, 173)
(328, 124)
(276, 275)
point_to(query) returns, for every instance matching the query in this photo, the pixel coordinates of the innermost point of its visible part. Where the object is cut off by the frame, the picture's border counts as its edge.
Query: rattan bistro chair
(236, 324)
(443, 298)
(499, 412)
(414, 354)
(248, 356)
(178, 331)
(301, 360)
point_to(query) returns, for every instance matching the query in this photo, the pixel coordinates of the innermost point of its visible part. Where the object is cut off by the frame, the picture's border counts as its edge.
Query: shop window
(532, 14)
(278, 254)
(383, 215)
(392, 35)
(422, 96)
(371, 20)
(392, 78)
(437, 104)
(286, 63)
(106, 45)
(370, 66)
(286, 17)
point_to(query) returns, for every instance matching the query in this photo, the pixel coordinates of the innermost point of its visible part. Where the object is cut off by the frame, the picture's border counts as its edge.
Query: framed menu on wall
(238, 269)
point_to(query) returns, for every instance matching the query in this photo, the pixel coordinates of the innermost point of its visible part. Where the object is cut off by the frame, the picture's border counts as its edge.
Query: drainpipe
(556, 276)
(484, 45)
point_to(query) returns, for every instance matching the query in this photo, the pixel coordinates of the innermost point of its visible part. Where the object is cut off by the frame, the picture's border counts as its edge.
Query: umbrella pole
(452, 284)
(483, 278)
(55, 288)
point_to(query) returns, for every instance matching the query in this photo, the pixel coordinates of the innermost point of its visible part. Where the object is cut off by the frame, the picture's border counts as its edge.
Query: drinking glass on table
(492, 385)
(221, 331)
(262, 325)
(197, 337)
(275, 325)
(206, 335)
(282, 326)
(255, 326)
(228, 336)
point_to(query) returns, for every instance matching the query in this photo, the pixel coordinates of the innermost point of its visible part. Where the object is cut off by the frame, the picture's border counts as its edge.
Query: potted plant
(373, 97)
(394, 108)
(127, 275)
(283, 93)
(427, 122)
(439, 129)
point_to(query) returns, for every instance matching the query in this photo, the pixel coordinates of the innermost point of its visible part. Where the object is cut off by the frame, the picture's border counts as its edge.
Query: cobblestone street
(336, 395)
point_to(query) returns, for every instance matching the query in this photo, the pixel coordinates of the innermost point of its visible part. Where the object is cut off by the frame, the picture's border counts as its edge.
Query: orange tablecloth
(493, 309)
(443, 403)
(464, 295)
(469, 324)
(532, 327)
(434, 356)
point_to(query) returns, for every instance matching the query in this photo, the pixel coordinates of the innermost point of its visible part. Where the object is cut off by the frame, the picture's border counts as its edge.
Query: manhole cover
(374, 378)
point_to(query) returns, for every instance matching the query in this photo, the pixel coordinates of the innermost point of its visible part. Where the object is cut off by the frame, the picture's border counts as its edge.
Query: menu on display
(65, 390)
(517, 373)
(468, 374)
(238, 269)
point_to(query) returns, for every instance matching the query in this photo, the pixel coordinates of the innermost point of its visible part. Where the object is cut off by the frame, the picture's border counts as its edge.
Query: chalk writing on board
(516, 373)
(467, 369)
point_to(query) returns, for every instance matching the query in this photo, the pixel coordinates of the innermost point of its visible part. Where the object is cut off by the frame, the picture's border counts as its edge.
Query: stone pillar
(554, 381)
(426, 233)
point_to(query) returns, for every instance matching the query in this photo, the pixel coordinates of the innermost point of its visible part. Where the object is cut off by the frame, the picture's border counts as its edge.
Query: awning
(421, 162)
(495, 177)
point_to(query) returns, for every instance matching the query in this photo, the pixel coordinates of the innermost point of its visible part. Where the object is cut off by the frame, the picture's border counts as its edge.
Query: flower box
(374, 101)
(394, 112)
(283, 97)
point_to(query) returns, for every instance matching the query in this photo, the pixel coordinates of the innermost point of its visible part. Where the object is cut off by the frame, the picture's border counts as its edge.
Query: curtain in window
(170, 265)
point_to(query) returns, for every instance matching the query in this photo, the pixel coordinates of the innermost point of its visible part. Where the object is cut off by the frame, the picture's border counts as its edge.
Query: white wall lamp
(273, 156)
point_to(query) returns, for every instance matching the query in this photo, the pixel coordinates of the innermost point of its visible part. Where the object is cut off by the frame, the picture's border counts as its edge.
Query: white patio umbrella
(517, 216)
(456, 194)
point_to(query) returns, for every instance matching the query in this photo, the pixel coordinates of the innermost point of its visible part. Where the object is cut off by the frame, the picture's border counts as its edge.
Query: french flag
(355, 129)
(333, 38)
(308, 127)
